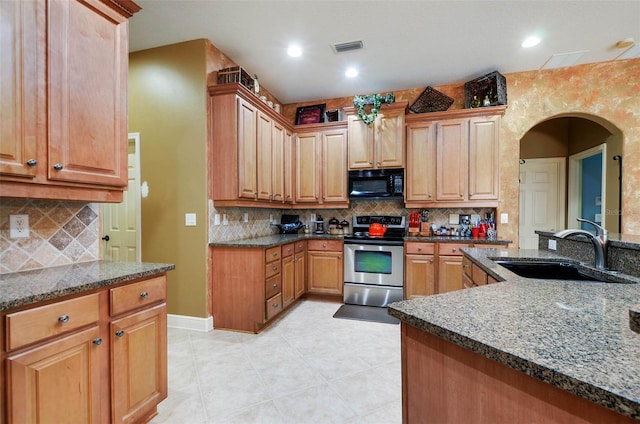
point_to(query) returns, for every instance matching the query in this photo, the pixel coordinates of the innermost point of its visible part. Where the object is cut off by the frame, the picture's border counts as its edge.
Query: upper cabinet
(321, 162)
(452, 158)
(251, 150)
(381, 144)
(63, 92)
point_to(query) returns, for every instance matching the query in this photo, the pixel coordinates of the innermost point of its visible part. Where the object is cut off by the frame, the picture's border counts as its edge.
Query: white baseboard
(190, 323)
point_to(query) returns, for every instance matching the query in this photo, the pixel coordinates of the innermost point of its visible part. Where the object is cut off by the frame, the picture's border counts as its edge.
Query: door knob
(106, 238)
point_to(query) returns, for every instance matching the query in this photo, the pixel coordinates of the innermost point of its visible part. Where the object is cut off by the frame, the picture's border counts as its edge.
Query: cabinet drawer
(288, 250)
(39, 323)
(273, 286)
(326, 245)
(271, 269)
(139, 294)
(273, 306)
(301, 246)
(420, 248)
(272, 254)
(451, 249)
(466, 267)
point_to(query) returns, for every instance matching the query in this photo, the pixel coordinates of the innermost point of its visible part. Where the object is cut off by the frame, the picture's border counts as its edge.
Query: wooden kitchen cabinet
(450, 266)
(321, 162)
(452, 158)
(300, 269)
(65, 135)
(95, 358)
(325, 272)
(381, 144)
(251, 150)
(419, 270)
(293, 271)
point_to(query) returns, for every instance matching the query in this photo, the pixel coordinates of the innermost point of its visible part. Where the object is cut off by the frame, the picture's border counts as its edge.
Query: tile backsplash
(259, 219)
(60, 233)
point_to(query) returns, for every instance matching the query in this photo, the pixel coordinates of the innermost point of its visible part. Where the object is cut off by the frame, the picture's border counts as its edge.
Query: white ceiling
(408, 44)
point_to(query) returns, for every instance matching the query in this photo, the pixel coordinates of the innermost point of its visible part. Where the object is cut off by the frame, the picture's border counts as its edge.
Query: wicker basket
(235, 74)
(431, 100)
(493, 85)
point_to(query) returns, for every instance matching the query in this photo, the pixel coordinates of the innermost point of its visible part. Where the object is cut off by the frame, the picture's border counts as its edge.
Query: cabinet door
(247, 150)
(265, 157)
(288, 280)
(87, 93)
(308, 167)
(334, 157)
(18, 89)
(325, 272)
(449, 273)
(483, 158)
(421, 162)
(300, 274)
(58, 382)
(388, 139)
(451, 166)
(360, 143)
(288, 180)
(138, 363)
(420, 278)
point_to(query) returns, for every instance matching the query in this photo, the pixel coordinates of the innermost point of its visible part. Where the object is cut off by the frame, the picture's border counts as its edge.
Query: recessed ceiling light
(351, 73)
(626, 43)
(530, 42)
(294, 51)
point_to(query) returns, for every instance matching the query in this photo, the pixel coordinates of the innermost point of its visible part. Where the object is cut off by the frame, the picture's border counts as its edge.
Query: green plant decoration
(374, 99)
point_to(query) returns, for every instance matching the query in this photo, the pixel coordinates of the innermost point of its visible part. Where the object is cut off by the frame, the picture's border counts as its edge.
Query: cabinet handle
(465, 266)
(97, 341)
(58, 166)
(324, 244)
(461, 195)
(453, 249)
(32, 162)
(275, 254)
(339, 257)
(275, 268)
(430, 196)
(419, 249)
(370, 163)
(144, 294)
(63, 318)
(378, 163)
(430, 261)
(275, 284)
(120, 333)
(275, 305)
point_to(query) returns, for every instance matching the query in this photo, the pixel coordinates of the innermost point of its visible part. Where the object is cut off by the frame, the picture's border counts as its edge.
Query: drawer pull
(275, 305)
(144, 294)
(58, 167)
(275, 268)
(63, 318)
(120, 333)
(465, 266)
(324, 244)
(97, 341)
(275, 284)
(453, 249)
(32, 162)
(275, 254)
(419, 249)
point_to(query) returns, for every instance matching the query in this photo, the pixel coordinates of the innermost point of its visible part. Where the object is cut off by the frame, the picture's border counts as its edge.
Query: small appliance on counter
(318, 225)
(289, 224)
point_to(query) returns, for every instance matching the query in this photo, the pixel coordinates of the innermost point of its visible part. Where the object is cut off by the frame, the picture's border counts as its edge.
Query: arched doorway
(549, 192)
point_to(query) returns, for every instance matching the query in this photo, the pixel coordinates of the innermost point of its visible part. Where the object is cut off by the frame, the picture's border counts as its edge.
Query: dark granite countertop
(276, 239)
(573, 335)
(29, 287)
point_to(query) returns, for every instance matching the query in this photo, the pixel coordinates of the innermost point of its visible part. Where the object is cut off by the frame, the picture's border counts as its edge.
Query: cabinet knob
(144, 294)
(324, 244)
(419, 249)
(378, 163)
(275, 268)
(120, 333)
(32, 162)
(370, 163)
(453, 249)
(97, 341)
(275, 305)
(63, 318)
(275, 254)
(430, 196)
(465, 266)
(58, 166)
(275, 284)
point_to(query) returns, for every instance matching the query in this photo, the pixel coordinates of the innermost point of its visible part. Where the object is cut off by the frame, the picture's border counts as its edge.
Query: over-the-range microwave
(376, 183)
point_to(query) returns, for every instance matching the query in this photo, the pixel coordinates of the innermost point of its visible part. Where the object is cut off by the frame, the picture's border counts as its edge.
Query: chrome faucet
(600, 241)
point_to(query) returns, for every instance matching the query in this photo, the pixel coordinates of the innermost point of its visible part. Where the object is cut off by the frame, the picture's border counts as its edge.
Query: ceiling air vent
(345, 47)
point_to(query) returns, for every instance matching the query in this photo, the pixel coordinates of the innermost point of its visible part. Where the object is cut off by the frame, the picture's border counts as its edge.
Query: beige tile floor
(306, 368)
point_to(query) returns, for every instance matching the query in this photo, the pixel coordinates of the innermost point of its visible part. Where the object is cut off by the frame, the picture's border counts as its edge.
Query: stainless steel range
(374, 264)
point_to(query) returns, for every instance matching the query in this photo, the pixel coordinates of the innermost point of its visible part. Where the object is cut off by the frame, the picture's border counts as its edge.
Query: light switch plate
(190, 219)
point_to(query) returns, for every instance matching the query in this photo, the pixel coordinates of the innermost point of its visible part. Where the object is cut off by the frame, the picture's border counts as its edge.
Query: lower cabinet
(293, 271)
(57, 382)
(419, 270)
(97, 358)
(450, 266)
(139, 363)
(325, 273)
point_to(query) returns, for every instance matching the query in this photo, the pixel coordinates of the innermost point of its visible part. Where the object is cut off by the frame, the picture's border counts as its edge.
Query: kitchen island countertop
(29, 287)
(572, 335)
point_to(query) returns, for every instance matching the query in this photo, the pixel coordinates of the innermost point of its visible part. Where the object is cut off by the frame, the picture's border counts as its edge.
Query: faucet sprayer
(600, 241)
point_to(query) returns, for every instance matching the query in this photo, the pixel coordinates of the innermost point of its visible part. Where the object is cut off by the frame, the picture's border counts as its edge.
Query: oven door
(375, 264)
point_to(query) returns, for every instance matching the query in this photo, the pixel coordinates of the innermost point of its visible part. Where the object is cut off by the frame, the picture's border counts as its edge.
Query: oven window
(373, 262)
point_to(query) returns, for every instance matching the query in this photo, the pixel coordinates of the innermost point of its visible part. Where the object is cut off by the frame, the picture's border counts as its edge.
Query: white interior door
(121, 221)
(542, 198)
(587, 191)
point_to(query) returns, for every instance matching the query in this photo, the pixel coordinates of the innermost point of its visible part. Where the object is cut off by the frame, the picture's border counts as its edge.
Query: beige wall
(167, 106)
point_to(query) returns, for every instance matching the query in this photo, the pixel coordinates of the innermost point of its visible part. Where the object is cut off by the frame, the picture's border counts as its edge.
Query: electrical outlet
(225, 220)
(552, 245)
(18, 226)
(246, 217)
(190, 219)
(216, 219)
